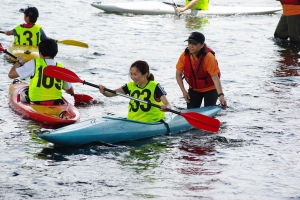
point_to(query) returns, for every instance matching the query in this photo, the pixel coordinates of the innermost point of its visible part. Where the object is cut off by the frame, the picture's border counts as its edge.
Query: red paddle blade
(62, 74)
(1, 48)
(202, 121)
(83, 99)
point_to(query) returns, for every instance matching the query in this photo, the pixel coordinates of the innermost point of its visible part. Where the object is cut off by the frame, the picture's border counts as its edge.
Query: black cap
(30, 11)
(196, 37)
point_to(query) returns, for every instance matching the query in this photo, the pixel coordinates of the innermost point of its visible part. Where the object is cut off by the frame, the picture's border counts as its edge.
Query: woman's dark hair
(143, 67)
(48, 47)
(201, 52)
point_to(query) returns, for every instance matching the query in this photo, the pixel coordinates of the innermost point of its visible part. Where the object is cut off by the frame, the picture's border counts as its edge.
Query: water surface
(255, 155)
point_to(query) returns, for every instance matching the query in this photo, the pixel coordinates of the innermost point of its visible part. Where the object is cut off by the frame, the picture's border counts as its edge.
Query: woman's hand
(101, 89)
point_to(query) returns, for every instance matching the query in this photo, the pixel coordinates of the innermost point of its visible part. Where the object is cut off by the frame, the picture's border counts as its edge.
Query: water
(255, 155)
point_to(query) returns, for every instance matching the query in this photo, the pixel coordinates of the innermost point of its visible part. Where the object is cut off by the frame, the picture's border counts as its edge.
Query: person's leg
(294, 28)
(196, 99)
(282, 30)
(210, 98)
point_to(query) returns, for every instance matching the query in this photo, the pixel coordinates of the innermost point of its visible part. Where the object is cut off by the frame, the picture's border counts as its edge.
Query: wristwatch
(20, 62)
(221, 94)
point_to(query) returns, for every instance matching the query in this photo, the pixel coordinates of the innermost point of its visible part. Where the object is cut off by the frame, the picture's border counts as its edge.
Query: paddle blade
(62, 74)
(73, 42)
(202, 122)
(83, 99)
(1, 48)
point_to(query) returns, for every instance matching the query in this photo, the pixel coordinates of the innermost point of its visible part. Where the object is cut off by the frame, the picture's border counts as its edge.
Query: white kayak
(162, 8)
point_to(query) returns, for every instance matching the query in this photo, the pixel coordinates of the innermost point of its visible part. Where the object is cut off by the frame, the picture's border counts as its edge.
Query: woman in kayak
(145, 88)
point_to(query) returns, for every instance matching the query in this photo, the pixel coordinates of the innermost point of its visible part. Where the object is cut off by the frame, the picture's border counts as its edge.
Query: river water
(255, 155)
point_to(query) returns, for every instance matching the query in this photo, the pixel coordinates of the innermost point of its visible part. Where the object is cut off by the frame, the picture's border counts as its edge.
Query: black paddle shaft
(5, 51)
(130, 97)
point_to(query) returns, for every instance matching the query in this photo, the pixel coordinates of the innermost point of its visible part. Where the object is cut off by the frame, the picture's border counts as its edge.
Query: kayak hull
(160, 8)
(27, 52)
(113, 130)
(56, 115)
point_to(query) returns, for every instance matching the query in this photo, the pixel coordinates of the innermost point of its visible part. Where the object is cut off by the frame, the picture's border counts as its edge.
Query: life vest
(42, 87)
(294, 2)
(197, 78)
(144, 112)
(201, 5)
(28, 36)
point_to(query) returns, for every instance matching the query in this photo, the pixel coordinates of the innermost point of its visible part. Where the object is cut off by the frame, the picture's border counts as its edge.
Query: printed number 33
(144, 107)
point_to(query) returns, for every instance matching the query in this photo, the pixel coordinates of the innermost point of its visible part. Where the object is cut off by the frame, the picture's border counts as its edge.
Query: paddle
(195, 119)
(5, 51)
(78, 98)
(69, 42)
(73, 42)
(173, 4)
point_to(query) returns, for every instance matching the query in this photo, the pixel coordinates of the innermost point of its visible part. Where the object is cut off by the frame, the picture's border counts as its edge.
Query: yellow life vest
(28, 36)
(144, 112)
(42, 87)
(201, 5)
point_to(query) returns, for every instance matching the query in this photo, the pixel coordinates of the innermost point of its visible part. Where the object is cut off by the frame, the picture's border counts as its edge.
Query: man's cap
(30, 11)
(196, 37)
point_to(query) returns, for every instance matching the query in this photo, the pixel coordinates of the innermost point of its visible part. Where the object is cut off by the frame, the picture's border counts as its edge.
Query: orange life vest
(198, 78)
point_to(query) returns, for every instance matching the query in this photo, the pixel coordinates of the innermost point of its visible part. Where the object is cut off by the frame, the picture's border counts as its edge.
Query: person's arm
(218, 86)
(11, 32)
(70, 90)
(165, 102)
(13, 72)
(43, 34)
(181, 85)
(109, 94)
(189, 6)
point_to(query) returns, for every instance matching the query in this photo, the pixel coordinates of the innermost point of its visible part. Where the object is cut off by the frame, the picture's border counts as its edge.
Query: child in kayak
(42, 89)
(145, 88)
(28, 33)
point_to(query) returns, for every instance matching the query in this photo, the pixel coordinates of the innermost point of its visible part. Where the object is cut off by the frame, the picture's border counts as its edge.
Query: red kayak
(57, 115)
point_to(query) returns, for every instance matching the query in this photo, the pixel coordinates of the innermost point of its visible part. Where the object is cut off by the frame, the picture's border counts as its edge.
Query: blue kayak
(112, 130)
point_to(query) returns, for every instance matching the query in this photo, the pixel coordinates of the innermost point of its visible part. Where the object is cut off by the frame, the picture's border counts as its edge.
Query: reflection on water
(196, 23)
(289, 63)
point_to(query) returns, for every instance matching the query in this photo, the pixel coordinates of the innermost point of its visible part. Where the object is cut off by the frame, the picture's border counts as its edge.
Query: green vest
(143, 112)
(42, 87)
(201, 5)
(28, 36)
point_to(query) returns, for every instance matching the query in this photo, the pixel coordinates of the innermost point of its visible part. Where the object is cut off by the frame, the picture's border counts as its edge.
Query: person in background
(194, 5)
(145, 88)
(200, 69)
(43, 90)
(289, 23)
(28, 33)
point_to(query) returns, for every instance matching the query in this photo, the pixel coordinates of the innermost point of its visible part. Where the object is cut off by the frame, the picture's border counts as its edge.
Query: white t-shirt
(28, 68)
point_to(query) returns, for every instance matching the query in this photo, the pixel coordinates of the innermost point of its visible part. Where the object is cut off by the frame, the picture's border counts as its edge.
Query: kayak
(57, 115)
(162, 8)
(113, 130)
(28, 52)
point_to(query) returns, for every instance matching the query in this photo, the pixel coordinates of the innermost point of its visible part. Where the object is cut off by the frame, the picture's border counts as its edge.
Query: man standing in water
(289, 23)
(200, 69)
(194, 5)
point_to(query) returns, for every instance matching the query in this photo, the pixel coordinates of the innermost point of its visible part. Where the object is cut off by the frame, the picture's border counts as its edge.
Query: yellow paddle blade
(73, 42)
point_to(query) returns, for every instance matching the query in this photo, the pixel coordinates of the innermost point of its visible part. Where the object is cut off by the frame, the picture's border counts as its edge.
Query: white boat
(162, 8)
